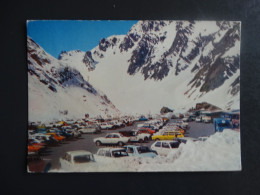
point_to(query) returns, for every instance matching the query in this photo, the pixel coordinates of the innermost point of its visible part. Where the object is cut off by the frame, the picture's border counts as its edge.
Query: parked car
(188, 118)
(220, 124)
(112, 138)
(150, 129)
(90, 129)
(106, 126)
(136, 136)
(112, 152)
(142, 118)
(146, 130)
(73, 160)
(185, 139)
(140, 151)
(198, 119)
(206, 119)
(167, 135)
(35, 148)
(164, 147)
(57, 137)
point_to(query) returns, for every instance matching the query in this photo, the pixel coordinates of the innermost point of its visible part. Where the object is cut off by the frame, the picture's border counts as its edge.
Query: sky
(55, 36)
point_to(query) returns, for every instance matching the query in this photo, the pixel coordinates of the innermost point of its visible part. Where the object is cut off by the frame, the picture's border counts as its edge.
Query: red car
(145, 130)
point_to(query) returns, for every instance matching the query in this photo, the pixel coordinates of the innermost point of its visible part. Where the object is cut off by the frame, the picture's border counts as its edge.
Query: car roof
(111, 149)
(168, 141)
(187, 138)
(79, 152)
(113, 134)
(134, 146)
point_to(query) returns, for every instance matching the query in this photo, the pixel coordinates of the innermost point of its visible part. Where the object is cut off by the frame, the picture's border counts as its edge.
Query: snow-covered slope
(166, 63)
(58, 91)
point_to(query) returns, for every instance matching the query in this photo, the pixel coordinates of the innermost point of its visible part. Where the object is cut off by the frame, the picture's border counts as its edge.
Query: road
(85, 142)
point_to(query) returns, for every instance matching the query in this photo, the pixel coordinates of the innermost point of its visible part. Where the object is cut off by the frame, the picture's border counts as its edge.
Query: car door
(171, 136)
(165, 136)
(130, 151)
(115, 139)
(165, 149)
(157, 147)
(66, 162)
(108, 139)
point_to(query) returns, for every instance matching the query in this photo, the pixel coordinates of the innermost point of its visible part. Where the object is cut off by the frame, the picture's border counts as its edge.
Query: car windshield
(83, 158)
(143, 149)
(224, 125)
(182, 141)
(174, 144)
(119, 153)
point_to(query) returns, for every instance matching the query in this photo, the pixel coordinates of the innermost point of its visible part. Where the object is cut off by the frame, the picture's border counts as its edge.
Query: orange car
(150, 130)
(35, 148)
(57, 137)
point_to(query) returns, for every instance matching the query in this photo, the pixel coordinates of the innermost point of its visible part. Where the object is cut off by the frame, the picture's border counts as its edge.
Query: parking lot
(85, 142)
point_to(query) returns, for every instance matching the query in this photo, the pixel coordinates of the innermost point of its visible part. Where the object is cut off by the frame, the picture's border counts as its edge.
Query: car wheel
(120, 143)
(140, 141)
(146, 139)
(98, 143)
(157, 139)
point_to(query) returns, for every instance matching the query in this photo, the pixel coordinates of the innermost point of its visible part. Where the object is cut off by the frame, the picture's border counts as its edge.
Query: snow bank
(220, 152)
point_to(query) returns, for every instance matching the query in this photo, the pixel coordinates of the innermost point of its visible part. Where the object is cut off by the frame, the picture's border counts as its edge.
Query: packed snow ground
(220, 152)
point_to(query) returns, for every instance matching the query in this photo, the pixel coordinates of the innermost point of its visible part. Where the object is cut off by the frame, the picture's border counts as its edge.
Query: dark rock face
(235, 86)
(165, 110)
(89, 61)
(128, 42)
(103, 44)
(139, 57)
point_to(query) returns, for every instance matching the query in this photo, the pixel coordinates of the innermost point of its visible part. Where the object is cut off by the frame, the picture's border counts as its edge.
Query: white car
(163, 147)
(185, 139)
(78, 159)
(106, 126)
(198, 119)
(90, 129)
(112, 138)
(111, 152)
(135, 136)
(206, 119)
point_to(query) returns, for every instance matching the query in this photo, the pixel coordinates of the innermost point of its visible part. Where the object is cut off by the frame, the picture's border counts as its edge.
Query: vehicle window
(101, 153)
(182, 141)
(143, 149)
(171, 133)
(119, 153)
(130, 150)
(165, 145)
(158, 144)
(115, 136)
(68, 157)
(109, 136)
(82, 159)
(108, 154)
(165, 133)
(174, 144)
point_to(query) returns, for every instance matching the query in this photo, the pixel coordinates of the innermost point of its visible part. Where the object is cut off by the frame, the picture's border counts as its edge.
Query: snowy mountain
(58, 91)
(165, 63)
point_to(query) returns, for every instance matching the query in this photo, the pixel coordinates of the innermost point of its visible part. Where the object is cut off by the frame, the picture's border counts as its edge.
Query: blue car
(142, 118)
(140, 151)
(220, 124)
